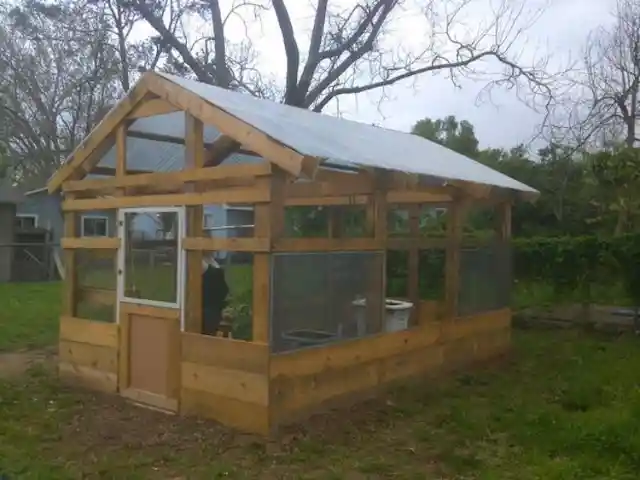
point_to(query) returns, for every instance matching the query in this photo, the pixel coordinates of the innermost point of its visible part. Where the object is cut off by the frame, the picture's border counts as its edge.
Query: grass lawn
(567, 406)
(29, 315)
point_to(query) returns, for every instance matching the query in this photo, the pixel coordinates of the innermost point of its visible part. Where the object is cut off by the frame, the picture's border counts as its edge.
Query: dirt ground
(14, 364)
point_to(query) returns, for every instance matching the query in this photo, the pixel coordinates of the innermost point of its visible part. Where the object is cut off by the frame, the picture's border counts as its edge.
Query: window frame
(34, 216)
(94, 217)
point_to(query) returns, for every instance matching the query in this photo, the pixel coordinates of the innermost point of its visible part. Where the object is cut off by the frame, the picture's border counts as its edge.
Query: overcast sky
(502, 121)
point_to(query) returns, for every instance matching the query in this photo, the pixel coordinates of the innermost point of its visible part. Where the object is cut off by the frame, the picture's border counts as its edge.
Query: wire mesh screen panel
(485, 278)
(431, 278)
(320, 298)
(97, 279)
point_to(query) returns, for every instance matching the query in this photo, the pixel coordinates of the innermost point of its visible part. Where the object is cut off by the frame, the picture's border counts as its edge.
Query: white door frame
(180, 270)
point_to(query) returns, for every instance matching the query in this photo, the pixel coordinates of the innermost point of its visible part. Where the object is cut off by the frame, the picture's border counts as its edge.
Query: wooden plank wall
(226, 380)
(88, 353)
(310, 380)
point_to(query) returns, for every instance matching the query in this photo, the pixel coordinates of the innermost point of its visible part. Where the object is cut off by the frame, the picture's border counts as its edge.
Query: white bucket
(397, 314)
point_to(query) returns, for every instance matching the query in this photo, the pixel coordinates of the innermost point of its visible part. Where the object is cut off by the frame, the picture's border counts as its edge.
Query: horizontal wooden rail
(98, 296)
(327, 244)
(417, 196)
(407, 243)
(171, 178)
(314, 201)
(227, 244)
(95, 243)
(227, 195)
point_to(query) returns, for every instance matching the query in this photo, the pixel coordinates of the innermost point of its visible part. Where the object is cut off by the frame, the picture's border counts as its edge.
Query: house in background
(38, 209)
(9, 198)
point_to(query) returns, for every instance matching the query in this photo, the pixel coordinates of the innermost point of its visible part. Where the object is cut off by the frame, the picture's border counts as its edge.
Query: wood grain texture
(90, 332)
(88, 377)
(246, 386)
(104, 359)
(225, 353)
(311, 380)
(245, 416)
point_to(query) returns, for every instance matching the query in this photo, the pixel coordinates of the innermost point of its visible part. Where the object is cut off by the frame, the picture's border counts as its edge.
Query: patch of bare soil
(14, 364)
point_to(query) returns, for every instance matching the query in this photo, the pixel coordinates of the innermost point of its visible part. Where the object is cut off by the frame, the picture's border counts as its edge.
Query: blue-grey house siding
(48, 210)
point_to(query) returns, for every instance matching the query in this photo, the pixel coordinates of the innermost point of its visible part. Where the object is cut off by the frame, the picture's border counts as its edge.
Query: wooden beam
(269, 224)
(121, 150)
(426, 243)
(227, 244)
(70, 300)
(504, 221)
(316, 201)
(455, 220)
(249, 136)
(92, 243)
(99, 170)
(413, 261)
(100, 134)
(229, 195)
(151, 108)
(432, 195)
(219, 150)
(171, 178)
(327, 245)
(194, 160)
(376, 227)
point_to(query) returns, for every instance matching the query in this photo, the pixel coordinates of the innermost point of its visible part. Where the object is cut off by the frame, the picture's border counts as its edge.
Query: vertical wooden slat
(268, 223)
(376, 218)
(121, 150)
(194, 158)
(336, 222)
(504, 221)
(124, 372)
(69, 304)
(175, 358)
(413, 288)
(455, 220)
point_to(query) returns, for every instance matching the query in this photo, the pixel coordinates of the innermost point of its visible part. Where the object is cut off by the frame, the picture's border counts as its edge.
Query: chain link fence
(29, 262)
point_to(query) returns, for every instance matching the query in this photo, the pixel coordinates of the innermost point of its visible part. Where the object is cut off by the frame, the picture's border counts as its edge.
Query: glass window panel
(151, 256)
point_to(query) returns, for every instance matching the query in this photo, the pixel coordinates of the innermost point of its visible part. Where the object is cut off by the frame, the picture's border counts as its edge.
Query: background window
(208, 220)
(26, 221)
(94, 226)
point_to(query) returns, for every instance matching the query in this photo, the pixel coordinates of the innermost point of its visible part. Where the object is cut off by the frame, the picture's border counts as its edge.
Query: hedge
(567, 264)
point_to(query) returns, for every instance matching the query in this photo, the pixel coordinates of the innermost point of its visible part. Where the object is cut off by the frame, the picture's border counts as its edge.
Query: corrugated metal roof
(338, 140)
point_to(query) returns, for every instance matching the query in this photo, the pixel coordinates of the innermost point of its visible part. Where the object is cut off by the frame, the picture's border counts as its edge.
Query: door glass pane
(151, 256)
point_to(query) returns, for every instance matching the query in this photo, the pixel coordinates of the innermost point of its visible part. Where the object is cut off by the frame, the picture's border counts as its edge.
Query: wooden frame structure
(239, 383)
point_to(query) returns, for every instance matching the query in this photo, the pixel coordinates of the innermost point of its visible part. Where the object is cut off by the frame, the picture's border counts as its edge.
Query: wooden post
(413, 264)
(503, 225)
(268, 223)
(121, 150)
(194, 158)
(452, 266)
(70, 303)
(336, 221)
(376, 216)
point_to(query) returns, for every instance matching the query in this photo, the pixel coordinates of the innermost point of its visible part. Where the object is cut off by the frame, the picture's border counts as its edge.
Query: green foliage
(574, 264)
(458, 136)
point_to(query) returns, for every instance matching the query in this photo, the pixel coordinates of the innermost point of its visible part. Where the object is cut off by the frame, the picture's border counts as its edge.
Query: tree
(349, 50)
(617, 174)
(58, 77)
(602, 107)
(458, 136)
